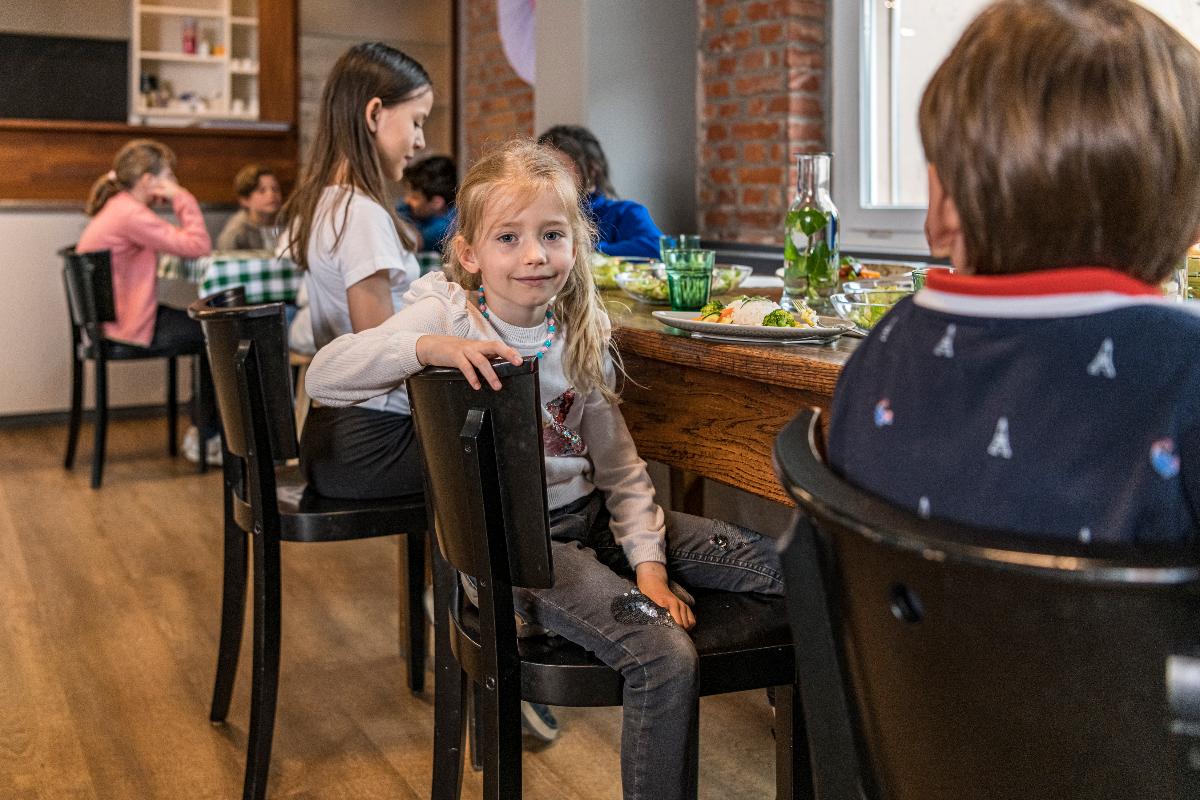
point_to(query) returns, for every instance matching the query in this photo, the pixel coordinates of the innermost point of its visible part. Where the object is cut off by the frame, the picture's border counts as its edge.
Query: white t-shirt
(369, 243)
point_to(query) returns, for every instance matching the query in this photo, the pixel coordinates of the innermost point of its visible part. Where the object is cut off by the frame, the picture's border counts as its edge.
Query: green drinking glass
(689, 277)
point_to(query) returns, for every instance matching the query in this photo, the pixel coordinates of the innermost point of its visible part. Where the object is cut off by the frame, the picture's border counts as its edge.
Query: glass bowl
(876, 284)
(727, 277)
(865, 308)
(648, 284)
(605, 268)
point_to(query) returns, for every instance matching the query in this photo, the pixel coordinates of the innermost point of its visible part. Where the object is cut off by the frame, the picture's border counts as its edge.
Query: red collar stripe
(1072, 280)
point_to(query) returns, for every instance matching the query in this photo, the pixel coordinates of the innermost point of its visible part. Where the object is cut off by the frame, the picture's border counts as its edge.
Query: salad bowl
(605, 268)
(649, 285)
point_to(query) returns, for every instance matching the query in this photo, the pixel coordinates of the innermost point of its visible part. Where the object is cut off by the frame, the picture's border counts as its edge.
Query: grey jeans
(595, 603)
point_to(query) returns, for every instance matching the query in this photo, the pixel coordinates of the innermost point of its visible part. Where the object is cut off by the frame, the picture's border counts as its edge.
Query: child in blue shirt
(1046, 387)
(624, 227)
(429, 201)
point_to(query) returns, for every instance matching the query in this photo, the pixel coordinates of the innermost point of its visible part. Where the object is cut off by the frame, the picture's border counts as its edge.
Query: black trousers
(172, 328)
(360, 453)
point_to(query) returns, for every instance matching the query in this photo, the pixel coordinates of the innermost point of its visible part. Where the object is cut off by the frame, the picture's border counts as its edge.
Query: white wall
(35, 357)
(627, 71)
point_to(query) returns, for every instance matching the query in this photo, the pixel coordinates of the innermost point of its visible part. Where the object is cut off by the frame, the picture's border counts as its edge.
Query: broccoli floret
(712, 308)
(779, 319)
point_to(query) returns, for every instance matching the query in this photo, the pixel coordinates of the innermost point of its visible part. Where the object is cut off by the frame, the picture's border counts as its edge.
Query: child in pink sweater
(124, 224)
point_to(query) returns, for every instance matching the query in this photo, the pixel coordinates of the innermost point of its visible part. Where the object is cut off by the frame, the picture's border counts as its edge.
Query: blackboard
(59, 77)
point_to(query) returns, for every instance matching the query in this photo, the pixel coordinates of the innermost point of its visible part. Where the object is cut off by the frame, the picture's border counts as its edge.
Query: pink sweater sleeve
(189, 240)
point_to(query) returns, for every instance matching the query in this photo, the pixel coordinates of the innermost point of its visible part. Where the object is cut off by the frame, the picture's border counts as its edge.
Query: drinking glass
(684, 241)
(689, 277)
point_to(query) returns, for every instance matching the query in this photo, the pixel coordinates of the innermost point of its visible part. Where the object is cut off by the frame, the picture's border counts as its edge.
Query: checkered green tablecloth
(267, 279)
(429, 259)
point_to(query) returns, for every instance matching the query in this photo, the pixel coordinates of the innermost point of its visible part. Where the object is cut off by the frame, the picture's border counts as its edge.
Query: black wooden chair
(87, 278)
(269, 503)
(943, 662)
(485, 475)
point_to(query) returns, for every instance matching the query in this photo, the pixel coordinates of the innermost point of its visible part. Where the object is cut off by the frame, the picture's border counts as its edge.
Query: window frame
(865, 228)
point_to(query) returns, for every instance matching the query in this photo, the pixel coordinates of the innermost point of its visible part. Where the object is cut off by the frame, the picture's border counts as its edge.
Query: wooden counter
(713, 408)
(58, 160)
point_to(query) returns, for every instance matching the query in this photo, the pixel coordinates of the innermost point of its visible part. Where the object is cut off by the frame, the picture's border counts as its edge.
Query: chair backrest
(953, 662)
(87, 278)
(485, 471)
(257, 336)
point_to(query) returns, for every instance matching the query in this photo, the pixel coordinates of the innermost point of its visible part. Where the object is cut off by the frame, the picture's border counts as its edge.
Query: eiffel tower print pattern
(1102, 364)
(1000, 447)
(945, 348)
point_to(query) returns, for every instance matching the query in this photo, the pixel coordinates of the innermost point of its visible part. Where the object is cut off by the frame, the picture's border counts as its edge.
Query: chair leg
(415, 581)
(172, 408)
(500, 737)
(233, 614)
(450, 685)
(200, 378)
(475, 729)
(101, 423)
(265, 683)
(76, 410)
(793, 771)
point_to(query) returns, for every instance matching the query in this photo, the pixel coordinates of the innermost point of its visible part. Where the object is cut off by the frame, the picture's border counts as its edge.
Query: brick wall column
(762, 76)
(496, 104)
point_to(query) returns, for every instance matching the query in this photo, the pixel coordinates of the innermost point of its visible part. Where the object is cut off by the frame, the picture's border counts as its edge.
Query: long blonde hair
(343, 152)
(135, 159)
(526, 169)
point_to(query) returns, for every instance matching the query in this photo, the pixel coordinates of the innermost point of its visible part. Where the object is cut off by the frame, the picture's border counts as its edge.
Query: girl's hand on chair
(652, 582)
(471, 356)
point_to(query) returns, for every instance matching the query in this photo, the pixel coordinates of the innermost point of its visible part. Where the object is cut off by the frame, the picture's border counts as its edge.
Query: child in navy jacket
(1046, 387)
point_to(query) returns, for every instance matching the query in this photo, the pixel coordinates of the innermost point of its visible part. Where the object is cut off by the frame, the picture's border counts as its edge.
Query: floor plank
(108, 643)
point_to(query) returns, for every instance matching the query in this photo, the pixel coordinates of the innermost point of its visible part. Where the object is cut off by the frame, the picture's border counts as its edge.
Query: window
(885, 51)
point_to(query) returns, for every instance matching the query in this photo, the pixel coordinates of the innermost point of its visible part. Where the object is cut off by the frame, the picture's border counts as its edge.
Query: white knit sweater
(587, 445)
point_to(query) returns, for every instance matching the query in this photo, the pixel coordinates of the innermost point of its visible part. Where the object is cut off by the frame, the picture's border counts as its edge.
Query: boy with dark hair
(429, 201)
(253, 226)
(1047, 387)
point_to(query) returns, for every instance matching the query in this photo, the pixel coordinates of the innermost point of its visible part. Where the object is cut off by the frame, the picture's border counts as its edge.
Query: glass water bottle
(811, 242)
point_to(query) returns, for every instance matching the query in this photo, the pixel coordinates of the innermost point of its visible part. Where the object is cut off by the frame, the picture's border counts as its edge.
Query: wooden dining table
(711, 409)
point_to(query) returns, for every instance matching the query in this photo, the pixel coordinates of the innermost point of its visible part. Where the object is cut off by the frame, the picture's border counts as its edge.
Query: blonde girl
(517, 284)
(341, 228)
(124, 223)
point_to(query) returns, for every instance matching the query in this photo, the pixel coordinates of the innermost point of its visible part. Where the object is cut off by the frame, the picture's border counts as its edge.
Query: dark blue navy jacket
(1063, 403)
(625, 227)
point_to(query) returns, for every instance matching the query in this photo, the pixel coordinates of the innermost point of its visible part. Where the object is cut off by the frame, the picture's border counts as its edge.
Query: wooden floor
(108, 602)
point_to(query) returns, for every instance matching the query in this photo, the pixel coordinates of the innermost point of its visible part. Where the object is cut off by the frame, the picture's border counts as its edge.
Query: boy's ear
(243, 202)
(943, 226)
(465, 253)
(371, 114)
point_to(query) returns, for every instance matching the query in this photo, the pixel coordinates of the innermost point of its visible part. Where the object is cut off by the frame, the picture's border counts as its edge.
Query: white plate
(830, 328)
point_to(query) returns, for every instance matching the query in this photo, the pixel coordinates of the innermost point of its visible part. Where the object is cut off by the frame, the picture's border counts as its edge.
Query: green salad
(605, 269)
(647, 284)
(651, 284)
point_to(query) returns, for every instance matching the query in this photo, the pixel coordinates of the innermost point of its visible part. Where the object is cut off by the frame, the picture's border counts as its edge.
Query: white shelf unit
(220, 79)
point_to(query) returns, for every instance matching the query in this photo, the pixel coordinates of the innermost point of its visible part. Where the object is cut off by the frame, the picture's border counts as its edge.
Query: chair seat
(122, 351)
(743, 640)
(306, 516)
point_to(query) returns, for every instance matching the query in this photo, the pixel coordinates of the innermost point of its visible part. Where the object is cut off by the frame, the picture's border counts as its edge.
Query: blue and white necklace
(550, 327)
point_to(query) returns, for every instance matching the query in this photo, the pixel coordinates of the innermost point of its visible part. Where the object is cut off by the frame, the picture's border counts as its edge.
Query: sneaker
(191, 447)
(538, 722)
